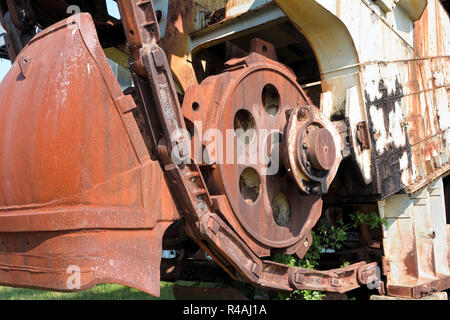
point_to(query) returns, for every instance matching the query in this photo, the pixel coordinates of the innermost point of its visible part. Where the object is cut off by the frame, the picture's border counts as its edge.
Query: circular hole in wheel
(273, 144)
(249, 185)
(281, 209)
(244, 126)
(270, 99)
(273, 149)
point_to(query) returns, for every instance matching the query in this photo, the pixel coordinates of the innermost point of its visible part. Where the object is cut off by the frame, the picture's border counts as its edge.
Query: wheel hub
(251, 106)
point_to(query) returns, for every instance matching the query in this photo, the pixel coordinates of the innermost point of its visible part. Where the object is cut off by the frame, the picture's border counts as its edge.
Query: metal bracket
(362, 135)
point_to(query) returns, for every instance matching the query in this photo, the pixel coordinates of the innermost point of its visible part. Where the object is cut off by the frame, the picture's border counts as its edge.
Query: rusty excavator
(246, 122)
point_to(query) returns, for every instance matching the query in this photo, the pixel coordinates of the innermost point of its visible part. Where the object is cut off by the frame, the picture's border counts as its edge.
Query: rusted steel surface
(278, 276)
(414, 92)
(401, 94)
(310, 150)
(85, 166)
(416, 242)
(419, 291)
(254, 205)
(204, 225)
(337, 280)
(412, 149)
(180, 19)
(74, 171)
(236, 100)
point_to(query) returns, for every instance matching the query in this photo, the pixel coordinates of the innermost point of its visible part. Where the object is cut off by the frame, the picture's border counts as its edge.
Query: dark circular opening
(273, 147)
(249, 185)
(244, 126)
(281, 209)
(271, 99)
(195, 106)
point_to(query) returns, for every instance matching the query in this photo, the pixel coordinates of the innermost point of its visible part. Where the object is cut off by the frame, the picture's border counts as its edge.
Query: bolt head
(302, 113)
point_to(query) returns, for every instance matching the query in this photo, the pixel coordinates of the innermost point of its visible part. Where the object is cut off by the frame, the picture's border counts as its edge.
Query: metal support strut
(19, 21)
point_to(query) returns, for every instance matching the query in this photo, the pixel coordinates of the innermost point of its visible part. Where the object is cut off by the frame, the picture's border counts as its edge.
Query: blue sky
(112, 10)
(4, 67)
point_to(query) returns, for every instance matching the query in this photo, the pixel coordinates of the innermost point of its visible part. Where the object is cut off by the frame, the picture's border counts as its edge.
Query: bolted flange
(310, 150)
(321, 149)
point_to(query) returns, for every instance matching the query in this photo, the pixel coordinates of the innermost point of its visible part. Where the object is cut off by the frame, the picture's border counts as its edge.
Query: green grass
(99, 292)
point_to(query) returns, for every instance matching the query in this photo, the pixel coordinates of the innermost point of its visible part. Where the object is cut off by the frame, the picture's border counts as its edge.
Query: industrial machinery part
(232, 142)
(20, 21)
(269, 222)
(251, 103)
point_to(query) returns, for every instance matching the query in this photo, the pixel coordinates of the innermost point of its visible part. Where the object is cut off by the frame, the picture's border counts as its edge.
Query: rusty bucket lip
(77, 203)
(77, 217)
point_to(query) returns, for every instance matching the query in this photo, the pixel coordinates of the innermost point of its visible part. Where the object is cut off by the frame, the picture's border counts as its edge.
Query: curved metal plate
(75, 171)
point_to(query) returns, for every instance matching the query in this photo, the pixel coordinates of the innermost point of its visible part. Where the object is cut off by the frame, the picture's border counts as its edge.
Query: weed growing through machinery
(325, 237)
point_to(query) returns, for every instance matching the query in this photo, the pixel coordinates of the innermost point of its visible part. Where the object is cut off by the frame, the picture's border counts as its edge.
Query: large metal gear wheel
(250, 104)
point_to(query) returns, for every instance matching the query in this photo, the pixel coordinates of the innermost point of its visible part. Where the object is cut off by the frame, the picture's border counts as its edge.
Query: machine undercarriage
(225, 152)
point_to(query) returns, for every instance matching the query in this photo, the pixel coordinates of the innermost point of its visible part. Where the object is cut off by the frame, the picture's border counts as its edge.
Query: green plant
(307, 262)
(311, 295)
(371, 219)
(325, 237)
